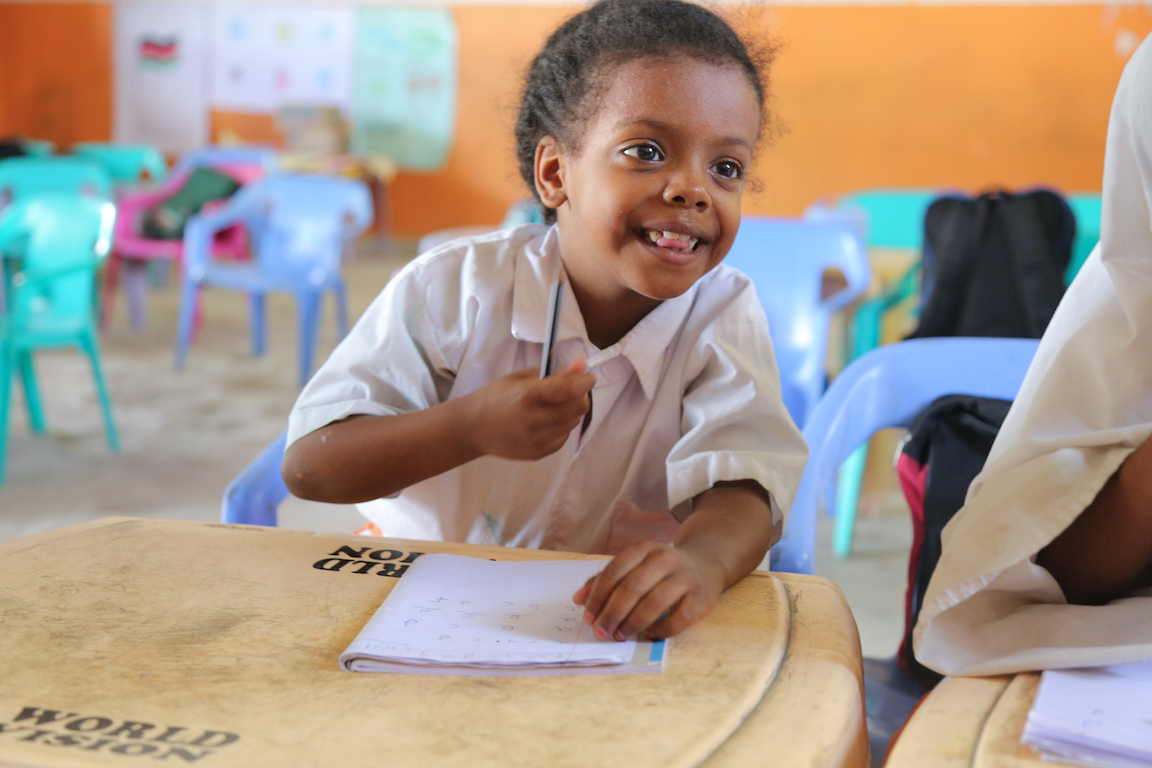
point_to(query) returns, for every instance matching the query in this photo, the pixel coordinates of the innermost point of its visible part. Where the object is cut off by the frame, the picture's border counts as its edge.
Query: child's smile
(648, 201)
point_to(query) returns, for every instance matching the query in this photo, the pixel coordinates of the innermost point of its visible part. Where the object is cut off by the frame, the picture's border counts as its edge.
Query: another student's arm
(1106, 549)
(518, 416)
(723, 540)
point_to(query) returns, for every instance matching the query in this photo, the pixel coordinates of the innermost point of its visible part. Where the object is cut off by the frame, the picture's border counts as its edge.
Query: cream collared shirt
(1084, 406)
(688, 398)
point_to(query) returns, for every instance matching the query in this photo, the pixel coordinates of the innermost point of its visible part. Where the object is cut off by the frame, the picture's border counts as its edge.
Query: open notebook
(451, 614)
(1099, 717)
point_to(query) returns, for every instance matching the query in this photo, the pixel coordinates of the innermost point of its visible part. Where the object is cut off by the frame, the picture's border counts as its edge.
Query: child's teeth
(674, 236)
(653, 235)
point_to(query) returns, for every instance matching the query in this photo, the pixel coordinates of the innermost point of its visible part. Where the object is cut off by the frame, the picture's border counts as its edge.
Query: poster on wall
(405, 96)
(266, 57)
(160, 94)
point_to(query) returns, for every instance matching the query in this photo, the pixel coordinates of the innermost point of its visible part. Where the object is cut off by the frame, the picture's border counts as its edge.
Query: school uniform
(688, 398)
(1084, 406)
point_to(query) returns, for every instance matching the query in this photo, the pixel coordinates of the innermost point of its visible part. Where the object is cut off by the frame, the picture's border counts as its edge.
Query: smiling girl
(663, 440)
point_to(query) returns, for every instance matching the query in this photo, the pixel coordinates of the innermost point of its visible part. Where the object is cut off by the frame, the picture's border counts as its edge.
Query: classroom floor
(185, 435)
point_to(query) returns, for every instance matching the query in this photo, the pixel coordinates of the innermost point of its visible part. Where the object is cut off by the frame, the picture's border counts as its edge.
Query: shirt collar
(643, 347)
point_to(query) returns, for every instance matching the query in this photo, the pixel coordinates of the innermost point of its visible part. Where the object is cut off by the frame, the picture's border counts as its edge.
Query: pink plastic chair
(132, 251)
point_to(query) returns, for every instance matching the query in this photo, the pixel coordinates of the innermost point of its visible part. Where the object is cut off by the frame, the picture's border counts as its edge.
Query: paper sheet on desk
(1099, 717)
(451, 614)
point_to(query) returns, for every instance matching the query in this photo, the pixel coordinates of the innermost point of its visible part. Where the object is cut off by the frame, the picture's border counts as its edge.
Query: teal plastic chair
(21, 177)
(1086, 206)
(49, 290)
(127, 164)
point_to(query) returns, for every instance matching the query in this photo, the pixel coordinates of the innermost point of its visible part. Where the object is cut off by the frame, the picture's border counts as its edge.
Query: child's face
(666, 152)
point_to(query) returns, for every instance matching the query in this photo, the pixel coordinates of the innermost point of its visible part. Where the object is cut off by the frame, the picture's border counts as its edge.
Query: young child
(663, 439)
(1048, 563)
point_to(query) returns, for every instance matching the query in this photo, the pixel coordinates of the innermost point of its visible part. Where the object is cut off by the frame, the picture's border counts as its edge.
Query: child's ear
(550, 173)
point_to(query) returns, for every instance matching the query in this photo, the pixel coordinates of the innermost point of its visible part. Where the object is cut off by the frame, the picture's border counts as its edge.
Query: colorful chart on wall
(405, 95)
(160, 90)
(265, 57)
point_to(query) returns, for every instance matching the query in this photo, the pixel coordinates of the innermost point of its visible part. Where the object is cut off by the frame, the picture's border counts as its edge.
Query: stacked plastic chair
(132, 250)
(299, 226)
(53, 244)
(23, 177)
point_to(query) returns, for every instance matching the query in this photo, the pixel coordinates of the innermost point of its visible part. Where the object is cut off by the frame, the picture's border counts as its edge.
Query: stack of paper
(465, 612)
(1100, 716)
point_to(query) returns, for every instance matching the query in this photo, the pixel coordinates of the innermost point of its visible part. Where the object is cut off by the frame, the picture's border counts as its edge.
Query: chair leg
(189, 303)
(308, 317)
(31, 391)
(7, 363)
(848, 484)
(341, 310)
(136, 291)
(111, 280)
(91, 348)
(256, 323)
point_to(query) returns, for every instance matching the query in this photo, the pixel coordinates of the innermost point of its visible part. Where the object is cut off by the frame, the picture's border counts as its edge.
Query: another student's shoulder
(482, 259)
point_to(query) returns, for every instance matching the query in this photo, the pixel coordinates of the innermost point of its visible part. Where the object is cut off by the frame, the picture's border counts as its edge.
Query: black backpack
(945, 449)
(994, 264)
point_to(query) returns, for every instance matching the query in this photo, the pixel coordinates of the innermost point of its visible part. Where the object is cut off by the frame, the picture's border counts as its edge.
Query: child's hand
(521, 416)
(650, 587)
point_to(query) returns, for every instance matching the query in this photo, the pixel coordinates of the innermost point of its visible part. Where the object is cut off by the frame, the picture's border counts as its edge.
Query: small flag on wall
(159, 58)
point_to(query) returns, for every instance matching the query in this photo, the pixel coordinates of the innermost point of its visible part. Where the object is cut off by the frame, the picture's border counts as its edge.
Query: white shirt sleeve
(734, 423)
(395, 360)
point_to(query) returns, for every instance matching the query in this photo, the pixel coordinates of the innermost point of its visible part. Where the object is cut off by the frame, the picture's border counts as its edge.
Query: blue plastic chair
(127, 164)
(786, 259)
(253, 497)
(49, 288)
(24, 176)
(887, 387)
(298, 226)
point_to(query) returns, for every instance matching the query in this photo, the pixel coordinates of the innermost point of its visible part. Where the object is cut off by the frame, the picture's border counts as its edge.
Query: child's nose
(687, 188)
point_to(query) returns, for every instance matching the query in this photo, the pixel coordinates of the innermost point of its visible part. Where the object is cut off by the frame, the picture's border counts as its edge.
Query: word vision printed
(387, 562)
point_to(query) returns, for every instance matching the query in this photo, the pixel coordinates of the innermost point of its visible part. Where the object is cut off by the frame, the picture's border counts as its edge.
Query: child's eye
(729, 169)
(648, 153)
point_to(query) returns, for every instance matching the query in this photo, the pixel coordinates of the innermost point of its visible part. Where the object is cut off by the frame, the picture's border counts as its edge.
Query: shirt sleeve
(734, 424)
(393, 361)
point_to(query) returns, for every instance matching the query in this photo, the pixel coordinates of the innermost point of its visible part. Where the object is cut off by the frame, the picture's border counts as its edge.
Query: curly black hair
(566, 77)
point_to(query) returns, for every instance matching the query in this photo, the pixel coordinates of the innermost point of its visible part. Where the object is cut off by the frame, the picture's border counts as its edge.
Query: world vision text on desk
(134, 642)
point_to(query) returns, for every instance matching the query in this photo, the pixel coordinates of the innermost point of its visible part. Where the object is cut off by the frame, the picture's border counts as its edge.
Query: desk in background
(128, 642)
(971, 722)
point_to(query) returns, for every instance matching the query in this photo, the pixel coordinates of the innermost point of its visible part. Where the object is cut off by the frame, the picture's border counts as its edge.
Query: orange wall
(913, 95)
(56, 71)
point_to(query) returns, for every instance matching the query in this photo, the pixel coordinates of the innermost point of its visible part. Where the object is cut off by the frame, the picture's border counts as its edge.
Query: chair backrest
(885, 388)
(254, 161)
(24, 176)
(54, 233)
(787, 259)
(885, 218)
(299, 223)
(125, 163)
(254, 496)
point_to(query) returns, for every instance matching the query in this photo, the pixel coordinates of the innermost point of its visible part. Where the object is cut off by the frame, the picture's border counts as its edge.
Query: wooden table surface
(129, 642)
(974, 722)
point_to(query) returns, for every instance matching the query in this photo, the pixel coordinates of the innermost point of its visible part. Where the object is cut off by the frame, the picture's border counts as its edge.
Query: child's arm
(518, 416)
(723, 540)
(1105, 550)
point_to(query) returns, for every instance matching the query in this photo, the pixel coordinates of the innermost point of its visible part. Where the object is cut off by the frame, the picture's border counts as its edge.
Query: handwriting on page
(452, 611)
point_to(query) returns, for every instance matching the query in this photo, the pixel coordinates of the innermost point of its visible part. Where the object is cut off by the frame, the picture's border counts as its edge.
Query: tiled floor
(185, 435)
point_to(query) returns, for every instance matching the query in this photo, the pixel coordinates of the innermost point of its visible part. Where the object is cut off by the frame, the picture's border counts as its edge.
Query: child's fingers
(660, 600)
(688, 611)
(600, 587)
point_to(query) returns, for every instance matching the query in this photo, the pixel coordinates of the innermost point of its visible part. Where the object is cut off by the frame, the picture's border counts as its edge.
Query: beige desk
(975, 722)
(138, 642)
